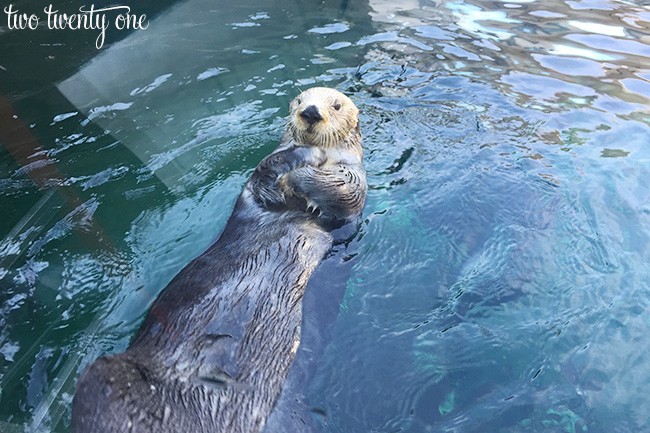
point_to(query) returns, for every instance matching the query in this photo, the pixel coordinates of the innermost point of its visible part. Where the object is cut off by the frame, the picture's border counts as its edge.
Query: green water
(499, 279)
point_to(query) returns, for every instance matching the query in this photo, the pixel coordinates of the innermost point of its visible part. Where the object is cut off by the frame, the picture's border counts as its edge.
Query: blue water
(499, 279)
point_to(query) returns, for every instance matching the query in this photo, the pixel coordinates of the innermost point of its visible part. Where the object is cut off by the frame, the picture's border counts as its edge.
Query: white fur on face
(339, 114)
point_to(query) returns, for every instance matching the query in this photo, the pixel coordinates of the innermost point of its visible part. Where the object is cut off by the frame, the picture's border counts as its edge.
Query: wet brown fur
(217, 344)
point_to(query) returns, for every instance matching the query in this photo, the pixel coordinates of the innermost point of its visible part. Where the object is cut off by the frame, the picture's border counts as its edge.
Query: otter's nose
(311, 115)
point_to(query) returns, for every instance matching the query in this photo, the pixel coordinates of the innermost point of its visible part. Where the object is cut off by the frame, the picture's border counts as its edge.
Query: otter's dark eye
(298, 101)
(337, 106)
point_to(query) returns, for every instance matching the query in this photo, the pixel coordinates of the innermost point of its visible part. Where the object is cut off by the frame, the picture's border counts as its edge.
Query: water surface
(498, 281)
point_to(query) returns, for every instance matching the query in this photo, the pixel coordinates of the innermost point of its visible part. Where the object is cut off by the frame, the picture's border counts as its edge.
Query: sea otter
(217, 344)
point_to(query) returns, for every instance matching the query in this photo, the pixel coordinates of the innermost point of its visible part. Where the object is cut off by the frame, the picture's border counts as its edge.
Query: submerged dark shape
(217, 344)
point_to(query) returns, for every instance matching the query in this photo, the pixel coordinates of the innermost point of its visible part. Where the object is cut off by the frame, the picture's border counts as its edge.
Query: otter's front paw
(288, 187)
(301, 156)
(268, 196)
(268, 184)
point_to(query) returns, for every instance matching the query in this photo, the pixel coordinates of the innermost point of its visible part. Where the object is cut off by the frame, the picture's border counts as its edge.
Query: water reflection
(599, 51)
(499, 281)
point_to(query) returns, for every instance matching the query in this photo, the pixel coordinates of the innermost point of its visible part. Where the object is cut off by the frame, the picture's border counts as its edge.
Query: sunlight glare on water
(499, 279)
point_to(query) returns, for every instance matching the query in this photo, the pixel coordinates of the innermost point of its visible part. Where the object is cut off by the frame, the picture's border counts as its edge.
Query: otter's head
(324, 118)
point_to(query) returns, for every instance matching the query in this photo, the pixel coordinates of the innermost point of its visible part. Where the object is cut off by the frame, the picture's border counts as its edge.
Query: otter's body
(216, 346)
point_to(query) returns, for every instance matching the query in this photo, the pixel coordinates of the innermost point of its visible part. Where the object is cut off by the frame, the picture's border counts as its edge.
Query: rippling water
(499, 280)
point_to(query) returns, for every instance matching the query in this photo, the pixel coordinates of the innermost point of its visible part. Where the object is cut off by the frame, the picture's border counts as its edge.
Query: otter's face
(322, 117)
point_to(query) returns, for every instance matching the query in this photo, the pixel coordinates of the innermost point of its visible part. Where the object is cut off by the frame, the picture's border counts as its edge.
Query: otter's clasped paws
(266, 182)
(301, 156)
